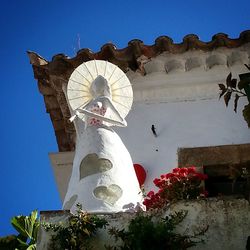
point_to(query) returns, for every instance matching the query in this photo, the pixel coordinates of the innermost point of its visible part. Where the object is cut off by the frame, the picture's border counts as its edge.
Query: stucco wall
(179, 96)
(228, 224)
(181, 100)
(179, 124)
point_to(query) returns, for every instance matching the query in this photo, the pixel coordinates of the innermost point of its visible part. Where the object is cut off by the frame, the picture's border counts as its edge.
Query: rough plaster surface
(103, 177)
(212, 156)
(179, 95)
(91, 164)
(228, 221)
(178, 125)
(55, 217)
(188, 65)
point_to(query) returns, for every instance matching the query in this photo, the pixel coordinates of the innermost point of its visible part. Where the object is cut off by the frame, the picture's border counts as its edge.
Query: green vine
(149, 232)
(76, 233)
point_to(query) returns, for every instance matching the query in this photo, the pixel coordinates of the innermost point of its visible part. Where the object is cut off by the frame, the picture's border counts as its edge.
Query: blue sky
(52, 27)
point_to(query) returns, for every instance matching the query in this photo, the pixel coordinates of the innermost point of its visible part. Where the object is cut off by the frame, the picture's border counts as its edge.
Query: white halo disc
(78, 90)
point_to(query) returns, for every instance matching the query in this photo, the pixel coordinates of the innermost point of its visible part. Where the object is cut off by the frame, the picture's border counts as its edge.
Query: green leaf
(222, 93)
(33, 216)
(243, 83)
(8, 242)
(86, 231)
(223, 89)
(35, 230)
(25, 224)
(228, 81)
(233, 83)
(222, 86)
(32, 247)
(227, 97)
(22, 237)
(236, 102)
(22, 244)
(246, 114)
(21, 224)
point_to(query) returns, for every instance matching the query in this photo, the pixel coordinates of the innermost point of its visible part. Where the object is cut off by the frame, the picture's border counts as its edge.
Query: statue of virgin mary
(103, 178)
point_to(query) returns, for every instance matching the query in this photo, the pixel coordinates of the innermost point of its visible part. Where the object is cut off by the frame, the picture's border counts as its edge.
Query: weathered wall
(228, 221)
(179, 96)
(180, 124)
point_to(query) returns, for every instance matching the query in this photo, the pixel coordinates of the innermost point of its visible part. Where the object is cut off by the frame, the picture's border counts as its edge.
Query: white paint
(103, 178)
(180, 124)
(183, 104)
(104, 142)
(192, 75)
(179, 95)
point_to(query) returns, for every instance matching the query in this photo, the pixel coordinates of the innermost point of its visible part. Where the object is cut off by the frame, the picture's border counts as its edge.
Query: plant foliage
(145, 233)
(27, 227)
(77, 232)
(235, 89)
(8, 242)
(147, 230)
(181, 184)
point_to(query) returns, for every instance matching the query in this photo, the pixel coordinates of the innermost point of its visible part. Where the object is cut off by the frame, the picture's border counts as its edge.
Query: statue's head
(100, 87)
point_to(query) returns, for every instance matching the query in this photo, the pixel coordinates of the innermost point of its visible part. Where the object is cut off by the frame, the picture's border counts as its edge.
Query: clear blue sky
(51, 27)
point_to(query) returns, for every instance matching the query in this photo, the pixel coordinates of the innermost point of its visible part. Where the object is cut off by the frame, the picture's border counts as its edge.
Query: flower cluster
(181, 184)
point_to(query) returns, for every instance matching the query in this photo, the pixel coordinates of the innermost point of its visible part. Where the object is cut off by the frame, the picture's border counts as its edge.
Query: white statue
(103, 177)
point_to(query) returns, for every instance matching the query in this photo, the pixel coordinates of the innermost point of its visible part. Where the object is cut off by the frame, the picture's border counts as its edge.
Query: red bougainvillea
(181, 184)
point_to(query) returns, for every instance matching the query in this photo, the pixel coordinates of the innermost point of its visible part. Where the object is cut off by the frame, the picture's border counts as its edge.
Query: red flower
(156, 181)
(191, 170)
(183, 174)
(182, 183)
(176, 170)
(183, 170)
(147, 203)
(150, 194)
(170, 175)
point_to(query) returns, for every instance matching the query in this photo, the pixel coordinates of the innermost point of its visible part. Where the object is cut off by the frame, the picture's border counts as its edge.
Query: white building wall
(179, 96)
(179, 124)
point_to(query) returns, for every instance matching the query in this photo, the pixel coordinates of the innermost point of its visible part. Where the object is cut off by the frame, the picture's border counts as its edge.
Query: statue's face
(98, 86)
